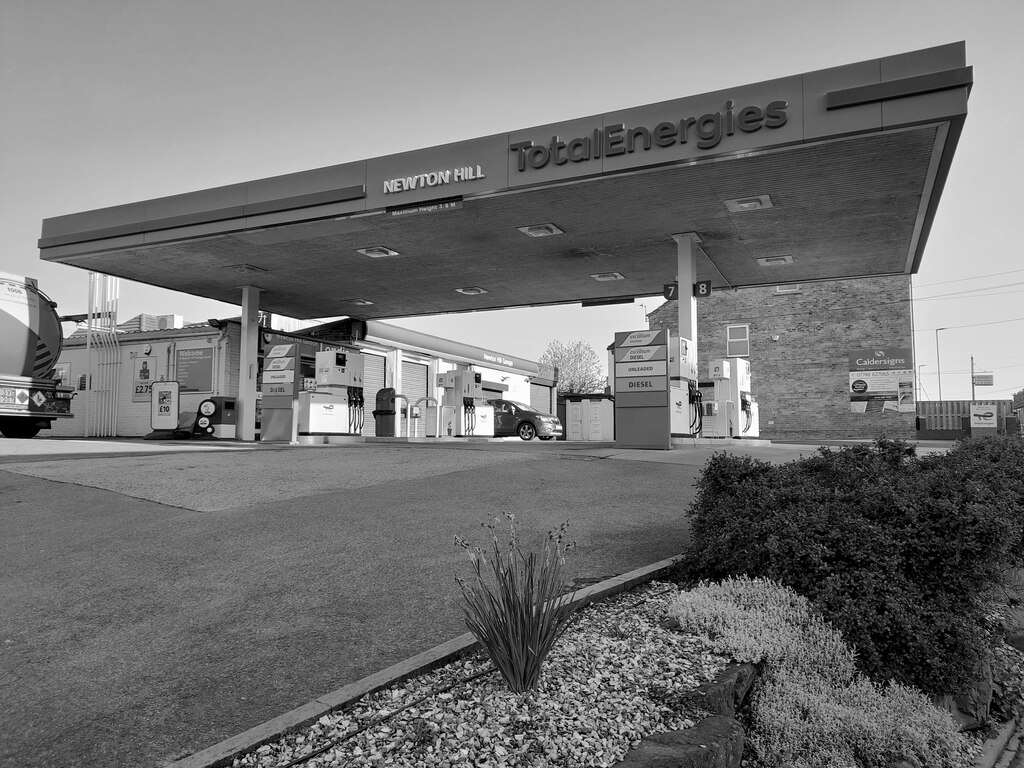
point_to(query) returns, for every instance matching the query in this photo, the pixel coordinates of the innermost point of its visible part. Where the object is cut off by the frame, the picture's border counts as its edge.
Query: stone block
(725, 694)
(715, 742)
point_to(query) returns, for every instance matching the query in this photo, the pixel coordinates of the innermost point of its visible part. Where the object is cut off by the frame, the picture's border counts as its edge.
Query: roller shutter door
(373, 380)
(414, 386)
(540, 398)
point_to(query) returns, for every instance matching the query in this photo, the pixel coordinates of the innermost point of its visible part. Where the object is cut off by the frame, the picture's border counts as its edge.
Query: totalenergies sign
(706, 132)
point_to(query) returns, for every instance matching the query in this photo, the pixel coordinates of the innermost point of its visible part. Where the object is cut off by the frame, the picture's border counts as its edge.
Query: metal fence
(955, 415)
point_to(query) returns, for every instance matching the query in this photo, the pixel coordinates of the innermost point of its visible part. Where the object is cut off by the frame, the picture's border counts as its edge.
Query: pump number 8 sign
(701, 290)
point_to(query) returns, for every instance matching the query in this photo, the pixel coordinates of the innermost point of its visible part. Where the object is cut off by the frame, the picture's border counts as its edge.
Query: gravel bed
(616, 676)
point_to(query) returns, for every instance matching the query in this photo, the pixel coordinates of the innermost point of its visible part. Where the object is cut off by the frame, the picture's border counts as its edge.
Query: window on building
(737, 341)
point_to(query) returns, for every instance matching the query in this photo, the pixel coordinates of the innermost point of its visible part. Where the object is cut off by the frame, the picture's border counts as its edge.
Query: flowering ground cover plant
(812, 708)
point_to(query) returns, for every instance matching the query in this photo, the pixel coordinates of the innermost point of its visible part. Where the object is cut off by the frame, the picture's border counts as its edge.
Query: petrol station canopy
(826, 175)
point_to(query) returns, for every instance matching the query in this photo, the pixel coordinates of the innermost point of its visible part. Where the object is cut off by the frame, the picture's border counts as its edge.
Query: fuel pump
(339, 382)
(464, 394)
(743, 405)
(686, 396)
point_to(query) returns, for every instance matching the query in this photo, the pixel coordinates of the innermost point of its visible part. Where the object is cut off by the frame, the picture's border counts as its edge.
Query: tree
(579, 367)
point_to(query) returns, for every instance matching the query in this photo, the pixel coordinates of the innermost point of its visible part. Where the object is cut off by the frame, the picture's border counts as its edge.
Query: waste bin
(384, 413)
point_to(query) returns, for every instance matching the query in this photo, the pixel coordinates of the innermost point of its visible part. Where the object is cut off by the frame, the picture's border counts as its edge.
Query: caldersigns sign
(882, 380)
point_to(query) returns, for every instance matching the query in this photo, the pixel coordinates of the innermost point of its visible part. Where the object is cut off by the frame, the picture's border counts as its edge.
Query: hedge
(902, 553)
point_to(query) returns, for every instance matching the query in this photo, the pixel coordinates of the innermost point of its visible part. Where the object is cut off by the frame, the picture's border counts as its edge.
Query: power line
(974, 293)
(1016, 388)
(973, 325)
(965, 279)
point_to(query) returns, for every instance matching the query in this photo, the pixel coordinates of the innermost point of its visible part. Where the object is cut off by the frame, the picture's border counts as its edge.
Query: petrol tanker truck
(30, 343)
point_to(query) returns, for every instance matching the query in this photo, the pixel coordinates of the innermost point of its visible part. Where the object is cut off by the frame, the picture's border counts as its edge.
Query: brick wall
(801, 381)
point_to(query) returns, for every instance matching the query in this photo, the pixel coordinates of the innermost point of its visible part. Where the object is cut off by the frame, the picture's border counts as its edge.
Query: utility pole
(972, 378)
(938, 360)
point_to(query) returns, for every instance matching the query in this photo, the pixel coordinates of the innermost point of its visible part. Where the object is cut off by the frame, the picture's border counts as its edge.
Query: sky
(113, 101)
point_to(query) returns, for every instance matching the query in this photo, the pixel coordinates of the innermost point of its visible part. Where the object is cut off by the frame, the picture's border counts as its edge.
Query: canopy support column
(248, 363)
(686, 276)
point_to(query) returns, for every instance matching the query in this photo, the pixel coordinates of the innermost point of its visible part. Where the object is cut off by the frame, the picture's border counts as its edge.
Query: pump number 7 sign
(701, 290)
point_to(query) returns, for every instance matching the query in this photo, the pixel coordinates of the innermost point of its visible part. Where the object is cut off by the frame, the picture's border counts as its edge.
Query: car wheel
(527, 431)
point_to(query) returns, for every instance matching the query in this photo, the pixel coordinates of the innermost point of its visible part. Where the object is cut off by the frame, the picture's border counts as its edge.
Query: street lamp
(938, 361)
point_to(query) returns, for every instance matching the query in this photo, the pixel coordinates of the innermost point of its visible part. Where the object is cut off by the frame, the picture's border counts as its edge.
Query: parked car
(514, 419)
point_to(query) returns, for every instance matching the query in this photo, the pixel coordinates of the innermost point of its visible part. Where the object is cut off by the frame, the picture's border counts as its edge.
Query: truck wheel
(18, 429)
(526, 431)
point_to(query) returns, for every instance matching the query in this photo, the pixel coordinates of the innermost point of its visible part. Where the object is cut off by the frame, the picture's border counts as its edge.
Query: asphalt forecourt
(156, 605)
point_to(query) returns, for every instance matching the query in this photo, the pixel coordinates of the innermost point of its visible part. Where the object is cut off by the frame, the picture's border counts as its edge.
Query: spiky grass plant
(519, 611)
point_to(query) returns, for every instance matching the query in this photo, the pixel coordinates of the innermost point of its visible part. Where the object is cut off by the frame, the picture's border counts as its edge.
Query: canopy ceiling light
(471, 290)
(604, 277)
(540, 230)
(743, 204)
(377, 252)
(775, 261)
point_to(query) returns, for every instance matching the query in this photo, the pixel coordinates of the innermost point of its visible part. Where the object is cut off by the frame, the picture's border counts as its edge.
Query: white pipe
(88, 356)
(101, 410)
(407, 414)
(116, 291)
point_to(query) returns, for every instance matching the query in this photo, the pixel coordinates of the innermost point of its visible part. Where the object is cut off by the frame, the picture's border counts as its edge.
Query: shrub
(520, 612)
(901, 553)
(756, 620)
(810, 708)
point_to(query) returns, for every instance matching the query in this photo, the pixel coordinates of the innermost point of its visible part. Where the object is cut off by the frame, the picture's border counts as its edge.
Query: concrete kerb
(1000, 750)
(223, 753)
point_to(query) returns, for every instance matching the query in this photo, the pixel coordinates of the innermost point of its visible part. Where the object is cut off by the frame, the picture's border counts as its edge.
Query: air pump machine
(464, 409)
(336, 407)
